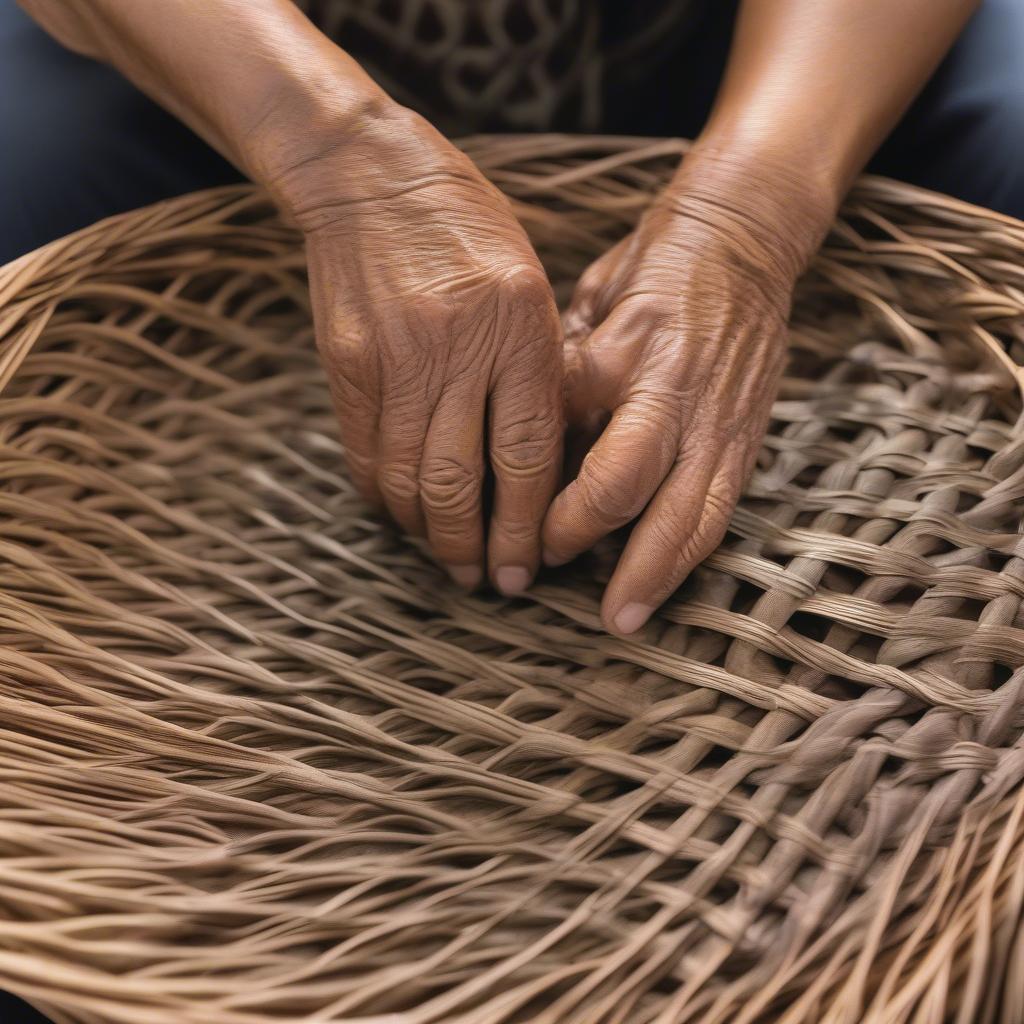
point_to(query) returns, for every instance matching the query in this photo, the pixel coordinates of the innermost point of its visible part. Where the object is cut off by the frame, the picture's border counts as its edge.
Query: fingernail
(468, 576)
(551, 560)
(512, 579)
(632, 617)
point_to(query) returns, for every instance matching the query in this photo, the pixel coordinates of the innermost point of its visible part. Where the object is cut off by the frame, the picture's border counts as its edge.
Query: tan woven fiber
(260, 763)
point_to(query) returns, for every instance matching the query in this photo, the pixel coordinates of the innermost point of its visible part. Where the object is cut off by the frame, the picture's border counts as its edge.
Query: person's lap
(965, 134)
(80, 143)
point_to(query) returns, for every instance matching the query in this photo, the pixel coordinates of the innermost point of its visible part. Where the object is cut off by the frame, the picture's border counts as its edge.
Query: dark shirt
(526, 65)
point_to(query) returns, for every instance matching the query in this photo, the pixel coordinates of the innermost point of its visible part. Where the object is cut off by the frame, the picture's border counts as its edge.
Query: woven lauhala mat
(259, 762)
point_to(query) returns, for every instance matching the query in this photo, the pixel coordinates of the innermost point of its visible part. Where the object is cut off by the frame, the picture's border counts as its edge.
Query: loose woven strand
(259, 763)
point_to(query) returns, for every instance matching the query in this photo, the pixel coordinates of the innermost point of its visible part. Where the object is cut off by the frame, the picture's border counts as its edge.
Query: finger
(526, 459)
(585, 419)
(685, 522)
(451, 481)
(618, 476)
(594, 294)
(579, 439)
(416, 328)
(352, 395)
(403, 432)
(352, 377)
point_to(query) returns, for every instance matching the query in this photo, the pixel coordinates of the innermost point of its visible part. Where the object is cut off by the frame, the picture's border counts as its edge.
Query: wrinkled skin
(677, 334)
(434, 318)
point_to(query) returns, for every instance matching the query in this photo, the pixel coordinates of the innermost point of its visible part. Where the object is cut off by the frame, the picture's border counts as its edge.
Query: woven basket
(260, 763)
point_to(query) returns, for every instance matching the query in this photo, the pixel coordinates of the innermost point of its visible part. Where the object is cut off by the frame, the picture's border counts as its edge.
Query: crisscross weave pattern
(260, 763)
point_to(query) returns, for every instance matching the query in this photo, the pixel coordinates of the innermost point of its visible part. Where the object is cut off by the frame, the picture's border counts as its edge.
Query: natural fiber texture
(259, 762)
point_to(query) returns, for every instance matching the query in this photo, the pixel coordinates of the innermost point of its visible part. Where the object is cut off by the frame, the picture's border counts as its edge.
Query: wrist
(766, 201)
(312, 121)
(372, 152)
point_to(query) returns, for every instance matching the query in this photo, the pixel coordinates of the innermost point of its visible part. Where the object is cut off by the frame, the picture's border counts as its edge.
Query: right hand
(435, 323)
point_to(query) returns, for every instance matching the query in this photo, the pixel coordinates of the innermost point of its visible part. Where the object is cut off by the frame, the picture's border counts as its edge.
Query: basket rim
(561, 144)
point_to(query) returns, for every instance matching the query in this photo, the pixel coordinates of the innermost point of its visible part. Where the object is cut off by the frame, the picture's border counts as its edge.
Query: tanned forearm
(253, 77)
(812, 88)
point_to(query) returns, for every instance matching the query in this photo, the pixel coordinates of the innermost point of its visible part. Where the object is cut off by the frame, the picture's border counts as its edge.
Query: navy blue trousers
(78, 142)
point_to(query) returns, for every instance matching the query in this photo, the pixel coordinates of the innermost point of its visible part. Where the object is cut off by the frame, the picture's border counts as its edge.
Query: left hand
(679, 333)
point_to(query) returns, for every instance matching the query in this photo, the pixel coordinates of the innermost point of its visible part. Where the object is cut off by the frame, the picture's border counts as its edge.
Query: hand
(678, 333)
(433, 318)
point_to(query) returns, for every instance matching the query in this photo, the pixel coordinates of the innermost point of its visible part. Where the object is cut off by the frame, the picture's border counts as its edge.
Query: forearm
(253, 77)
(811, 89)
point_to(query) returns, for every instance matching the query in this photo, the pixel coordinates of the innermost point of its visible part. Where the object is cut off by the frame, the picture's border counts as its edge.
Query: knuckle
(360, 464)
(427, 311)
(705, 537)
(588, 287)
(525, 293)
(724, 491)
(525, 284)
(343, 351)
(651, 312)
(592, 298)
(527, 445)
(519, 532)
(404, 387)
(695, 547)
(605, 500)
(657, 409)
(718, 509)
(449, 490)
(399, 482)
